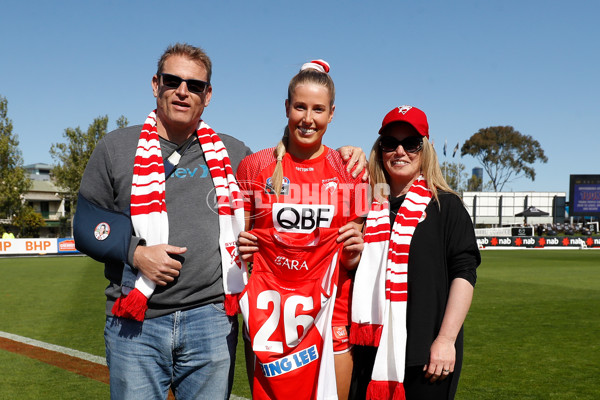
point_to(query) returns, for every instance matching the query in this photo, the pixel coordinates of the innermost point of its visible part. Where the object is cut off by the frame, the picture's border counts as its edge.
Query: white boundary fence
(41, 246)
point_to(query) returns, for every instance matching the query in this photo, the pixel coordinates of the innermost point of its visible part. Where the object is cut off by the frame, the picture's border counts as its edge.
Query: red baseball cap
(410, 114)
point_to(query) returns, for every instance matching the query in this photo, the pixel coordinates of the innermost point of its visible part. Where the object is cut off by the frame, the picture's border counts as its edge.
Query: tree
(29, 222)
(455, 175)
(73, 156)
(504, 153)
(14, 180)
(122, 122)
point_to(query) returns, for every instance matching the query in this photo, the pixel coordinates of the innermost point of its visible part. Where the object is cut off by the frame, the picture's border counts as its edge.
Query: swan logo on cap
(404, 109)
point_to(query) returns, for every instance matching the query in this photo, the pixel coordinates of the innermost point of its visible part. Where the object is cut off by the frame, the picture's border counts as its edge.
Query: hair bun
(319, 65)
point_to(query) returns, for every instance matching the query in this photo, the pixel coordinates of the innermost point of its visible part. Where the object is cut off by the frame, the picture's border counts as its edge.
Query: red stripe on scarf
(399, 258)
(379, 237)
(408, 215)
(378, 227)
(397, 297)
(150, 157)
(377, 233)
(143, 199)
(145, 170)
(147, 209)
(422, 191)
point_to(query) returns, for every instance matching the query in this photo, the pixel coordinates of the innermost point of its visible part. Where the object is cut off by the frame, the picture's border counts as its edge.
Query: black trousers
(416, 386)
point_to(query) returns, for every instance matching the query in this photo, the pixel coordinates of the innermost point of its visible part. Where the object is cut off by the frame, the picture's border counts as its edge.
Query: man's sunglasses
(173, 82)
(411, 144)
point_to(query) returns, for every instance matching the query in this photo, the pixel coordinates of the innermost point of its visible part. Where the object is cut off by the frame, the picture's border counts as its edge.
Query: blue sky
(467, 64)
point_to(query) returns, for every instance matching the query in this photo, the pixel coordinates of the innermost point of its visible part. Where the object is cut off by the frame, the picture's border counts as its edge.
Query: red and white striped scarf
(381, 289)
(150, 220)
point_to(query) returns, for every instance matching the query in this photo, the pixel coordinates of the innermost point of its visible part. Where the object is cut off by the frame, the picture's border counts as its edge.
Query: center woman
(300, 185)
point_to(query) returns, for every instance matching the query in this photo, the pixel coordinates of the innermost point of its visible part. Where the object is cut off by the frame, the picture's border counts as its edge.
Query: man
(186, 265)
(186, 341)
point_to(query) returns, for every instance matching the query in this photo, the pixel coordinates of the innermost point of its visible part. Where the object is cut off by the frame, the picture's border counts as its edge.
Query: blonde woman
(302, 184)
(415, 280)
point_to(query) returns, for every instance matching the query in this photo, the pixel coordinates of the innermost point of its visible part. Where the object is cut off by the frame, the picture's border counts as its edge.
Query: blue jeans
(129, 276)
(191, 351)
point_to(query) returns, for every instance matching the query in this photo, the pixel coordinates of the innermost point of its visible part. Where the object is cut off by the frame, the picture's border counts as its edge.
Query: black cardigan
(443, 248)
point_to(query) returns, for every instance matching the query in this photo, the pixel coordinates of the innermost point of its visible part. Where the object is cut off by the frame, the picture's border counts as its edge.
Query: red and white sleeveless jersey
(315, 193)
(287, 308)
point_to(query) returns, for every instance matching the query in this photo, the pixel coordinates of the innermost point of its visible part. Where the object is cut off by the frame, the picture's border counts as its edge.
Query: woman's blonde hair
(304, 76)
(430, 169)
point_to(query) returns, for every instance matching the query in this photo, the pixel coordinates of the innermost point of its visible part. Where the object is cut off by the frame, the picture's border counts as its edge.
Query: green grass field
(531, 333)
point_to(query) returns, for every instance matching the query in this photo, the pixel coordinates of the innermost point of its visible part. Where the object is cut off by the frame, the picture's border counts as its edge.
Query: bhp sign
(28, 246)
(37, 246)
